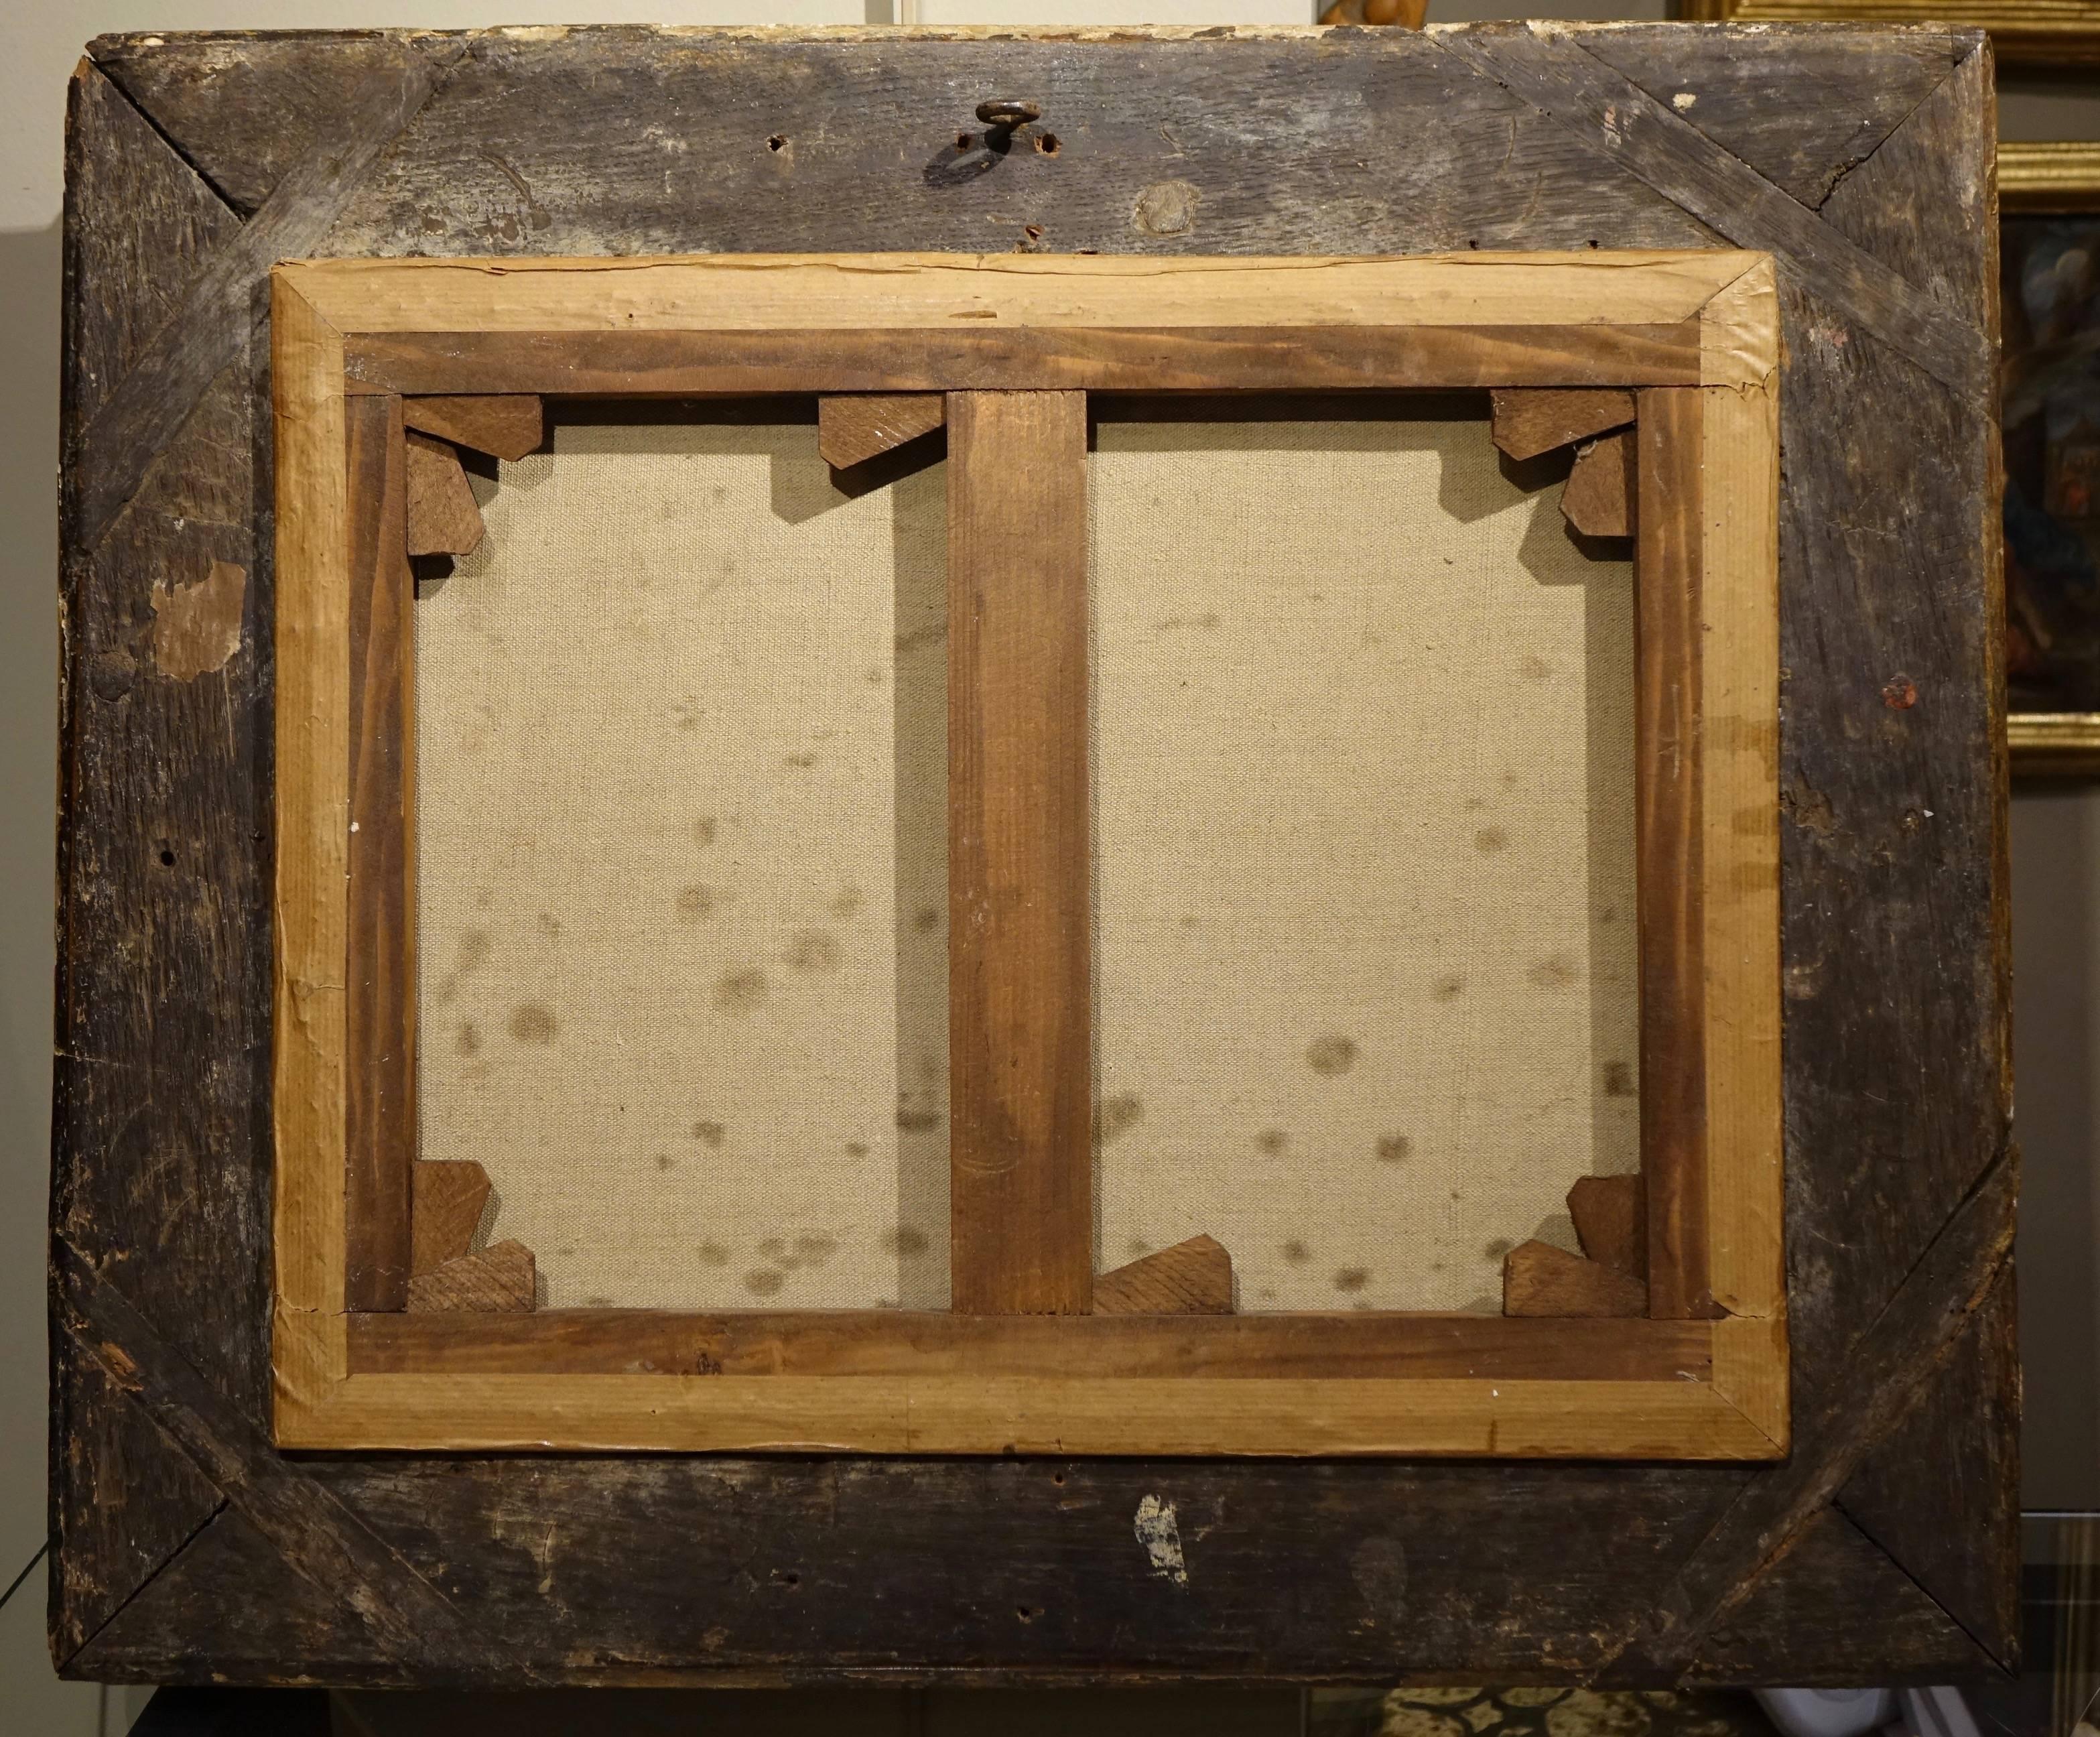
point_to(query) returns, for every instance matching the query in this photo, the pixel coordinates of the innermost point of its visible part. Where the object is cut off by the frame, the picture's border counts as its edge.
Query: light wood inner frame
(1705, 1378)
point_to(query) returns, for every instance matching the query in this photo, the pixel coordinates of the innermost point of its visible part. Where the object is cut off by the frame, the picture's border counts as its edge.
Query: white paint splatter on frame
(1161, 1535)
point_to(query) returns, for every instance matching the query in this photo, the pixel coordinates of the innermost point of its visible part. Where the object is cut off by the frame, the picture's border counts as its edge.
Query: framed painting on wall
(2049, 265)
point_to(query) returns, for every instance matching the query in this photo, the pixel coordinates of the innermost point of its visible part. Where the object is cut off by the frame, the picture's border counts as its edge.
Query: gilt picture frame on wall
(2049, 201)
(2024, 33)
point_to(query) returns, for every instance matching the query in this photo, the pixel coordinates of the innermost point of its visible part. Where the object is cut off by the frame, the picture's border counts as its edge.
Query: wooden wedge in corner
(505, 426)
(1528, 421)
(1598, 499)
(449, 1198)
(500, 1280)
(443, 518)
(853, 427)
(1194, 1277)
(1538, 1279)
(1611, 1222)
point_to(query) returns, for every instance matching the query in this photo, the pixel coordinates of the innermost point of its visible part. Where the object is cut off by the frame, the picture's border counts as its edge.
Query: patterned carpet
(1531, 1712)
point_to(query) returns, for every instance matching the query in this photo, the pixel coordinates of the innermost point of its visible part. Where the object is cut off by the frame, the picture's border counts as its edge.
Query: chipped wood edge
(753, 292)
(1739, 704)
(1682, 1420)
(1738, 334)
(309, 901)
(1597, 500)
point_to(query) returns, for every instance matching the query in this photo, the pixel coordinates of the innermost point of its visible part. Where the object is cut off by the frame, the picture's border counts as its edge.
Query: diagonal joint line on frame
(1835, 1430)
(304, 1521)
(1551, 70)
(204, 334)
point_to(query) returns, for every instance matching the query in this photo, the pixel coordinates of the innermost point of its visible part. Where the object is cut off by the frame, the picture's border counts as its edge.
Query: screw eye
(1009, 114)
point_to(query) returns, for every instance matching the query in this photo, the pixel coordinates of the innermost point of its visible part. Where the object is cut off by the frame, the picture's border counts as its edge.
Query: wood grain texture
(1649, 140)
(154, 1154)
(1243, 1347)
(1598, 499)
(1838, 1419)
(246, 114)
(894, 291)
(1859, 900)
(1148, 357)
(1832, 1594)
(128, 1187)
(506, 425)
(443, 518)
(1194, 1277)
(1669, 647)
(1020, 984)
(853, 427)
(299, 1517)
(163, 385)
(615, 1549)
(1944, 1459)
(1832, 119)
(1526, 423)
(1541, 1279)
(1204, 1415)
(449, 1197)
(1739, 852)
(309, 909)
(379, 1081)
(1611, 1222)
(498, 1279)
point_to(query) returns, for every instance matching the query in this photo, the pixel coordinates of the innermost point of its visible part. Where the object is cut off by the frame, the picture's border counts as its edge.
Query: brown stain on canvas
(1117, 1115)
(196, 627)
(1619, 1080)
(813, 949)
(695, 903)
(532, 1022)
(474, 947)
(764, 1281)
(742, 990)
(1394, 1149)
(710, 1133)
(1490, 840)
(1556, 972)
(1272, 1141)
(906, 1239)
(1331, 1055)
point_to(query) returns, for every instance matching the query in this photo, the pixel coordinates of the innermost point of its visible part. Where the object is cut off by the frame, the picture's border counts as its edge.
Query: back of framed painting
(946, 847)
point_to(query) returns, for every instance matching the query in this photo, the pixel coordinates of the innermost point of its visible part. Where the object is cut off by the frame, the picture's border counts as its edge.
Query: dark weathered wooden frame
(1694, 336)
(189, 1546)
